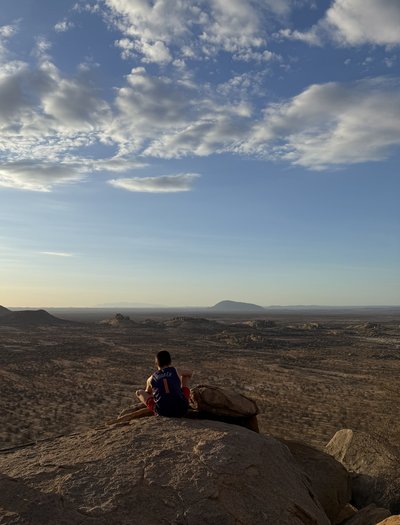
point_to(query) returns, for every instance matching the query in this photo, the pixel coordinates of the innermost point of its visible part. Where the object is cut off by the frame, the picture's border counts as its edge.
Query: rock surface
(393, 520)
(370, 515)
(347, 512)
(157, 471)
(329, 479)
(374, 465)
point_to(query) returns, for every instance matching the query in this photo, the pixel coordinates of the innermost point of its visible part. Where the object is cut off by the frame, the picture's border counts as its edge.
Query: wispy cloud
(163, 184)
(58, 254)
(64, 26)
(6, 32)
(38, 175)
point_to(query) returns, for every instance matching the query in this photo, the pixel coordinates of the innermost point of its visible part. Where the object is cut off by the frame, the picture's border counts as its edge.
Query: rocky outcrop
(374, 465)
(261, 324)
(329, 479)
(157, 470)
(119, 320)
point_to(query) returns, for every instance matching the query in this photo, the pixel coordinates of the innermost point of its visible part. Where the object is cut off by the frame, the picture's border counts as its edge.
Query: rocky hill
(31, 318)
(236, 306)
(4, 311)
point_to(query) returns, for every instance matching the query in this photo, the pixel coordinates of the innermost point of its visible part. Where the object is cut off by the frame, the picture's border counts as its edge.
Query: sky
(183, 152)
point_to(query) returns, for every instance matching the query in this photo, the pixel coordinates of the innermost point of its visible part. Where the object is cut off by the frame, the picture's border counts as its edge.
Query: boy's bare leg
(143, 396)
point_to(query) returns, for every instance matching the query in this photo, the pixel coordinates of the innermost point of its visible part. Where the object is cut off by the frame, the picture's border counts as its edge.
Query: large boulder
(222, 402)
(157, 470)
(329, 479)
(374, 465)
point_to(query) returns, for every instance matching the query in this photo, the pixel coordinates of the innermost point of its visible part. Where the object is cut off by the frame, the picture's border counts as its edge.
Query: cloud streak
(57, 254)
(163, 184)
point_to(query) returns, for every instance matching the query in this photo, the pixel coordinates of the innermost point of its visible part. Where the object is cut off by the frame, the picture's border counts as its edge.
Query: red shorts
(151, 403)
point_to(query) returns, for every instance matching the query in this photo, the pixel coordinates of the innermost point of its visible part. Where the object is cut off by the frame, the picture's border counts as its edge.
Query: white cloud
(235, 25)
(48, 118)
(152, 26)
(365, 21)
(165, 30)
(44, 117)
(355, 22)
(64, 26)
(74, 105)
(42, 46)
(7, 31)
(114, 164)
(158, 116)
(332, 124)
(163, 184)
(312, 37)
(147, 106)
(40, 101)
(206, 136)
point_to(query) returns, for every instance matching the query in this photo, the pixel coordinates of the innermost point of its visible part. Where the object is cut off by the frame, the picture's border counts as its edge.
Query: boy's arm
(148, 385)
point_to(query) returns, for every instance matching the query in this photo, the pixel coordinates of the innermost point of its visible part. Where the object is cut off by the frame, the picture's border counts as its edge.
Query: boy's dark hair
(163, 358)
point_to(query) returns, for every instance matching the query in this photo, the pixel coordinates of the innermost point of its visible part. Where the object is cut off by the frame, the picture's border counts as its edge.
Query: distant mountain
(30, 318)
(4, 311)
(236, 306)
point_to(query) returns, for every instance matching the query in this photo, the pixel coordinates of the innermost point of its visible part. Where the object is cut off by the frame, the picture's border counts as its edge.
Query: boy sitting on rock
(167, 392)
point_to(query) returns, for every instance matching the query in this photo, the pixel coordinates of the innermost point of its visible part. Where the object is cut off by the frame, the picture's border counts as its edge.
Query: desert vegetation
(311, 375)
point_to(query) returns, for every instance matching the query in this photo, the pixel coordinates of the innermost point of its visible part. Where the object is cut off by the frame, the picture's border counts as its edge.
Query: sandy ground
(311, 375)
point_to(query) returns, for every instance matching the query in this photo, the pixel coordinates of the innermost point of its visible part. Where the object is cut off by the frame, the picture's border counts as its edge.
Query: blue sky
(181, 152)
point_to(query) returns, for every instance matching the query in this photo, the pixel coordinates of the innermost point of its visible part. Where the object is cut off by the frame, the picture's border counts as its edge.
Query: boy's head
(163, 358)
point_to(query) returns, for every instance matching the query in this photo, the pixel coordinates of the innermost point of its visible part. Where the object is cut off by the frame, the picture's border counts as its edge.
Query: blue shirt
(167, 392)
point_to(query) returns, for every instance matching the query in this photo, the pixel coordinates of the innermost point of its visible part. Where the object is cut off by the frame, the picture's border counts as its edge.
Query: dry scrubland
(311, 375)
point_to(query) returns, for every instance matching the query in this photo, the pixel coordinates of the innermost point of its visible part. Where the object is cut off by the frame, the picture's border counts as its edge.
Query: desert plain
(311, 373)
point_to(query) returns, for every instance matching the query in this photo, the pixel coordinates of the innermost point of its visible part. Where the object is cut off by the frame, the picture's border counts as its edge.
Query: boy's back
(167, 392)
(167, 389)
